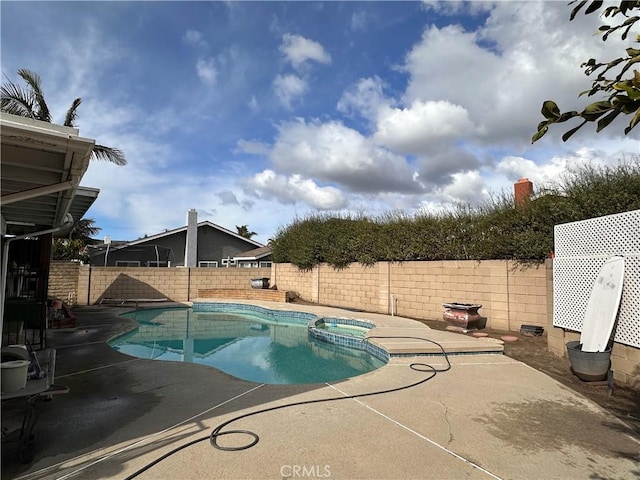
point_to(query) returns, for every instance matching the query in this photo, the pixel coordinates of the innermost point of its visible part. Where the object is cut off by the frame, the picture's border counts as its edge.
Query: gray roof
(184, 229)
(254, 254)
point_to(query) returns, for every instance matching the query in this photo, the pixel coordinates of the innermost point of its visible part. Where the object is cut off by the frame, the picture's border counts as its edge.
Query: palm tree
(243, 231)
(30, 103)
(84, 230)
(74, 247)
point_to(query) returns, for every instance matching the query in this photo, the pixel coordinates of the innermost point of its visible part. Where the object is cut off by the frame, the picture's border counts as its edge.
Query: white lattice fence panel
(581, 249)
(603, 236)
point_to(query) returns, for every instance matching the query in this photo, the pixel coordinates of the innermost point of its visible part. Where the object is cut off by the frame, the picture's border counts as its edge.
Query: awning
(42, 165)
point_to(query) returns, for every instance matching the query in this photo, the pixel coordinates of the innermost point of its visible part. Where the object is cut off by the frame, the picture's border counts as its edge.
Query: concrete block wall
(510, 295)
(82, 295)
(138, 282)
(230, 278)
(529, 300)
(90, 284)
(63, 281)
(290, 278)
(355, 285)
(265, 294)
(420, 288)
(625, 362)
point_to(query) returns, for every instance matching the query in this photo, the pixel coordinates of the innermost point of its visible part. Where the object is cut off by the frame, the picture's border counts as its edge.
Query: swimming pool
(254, 343)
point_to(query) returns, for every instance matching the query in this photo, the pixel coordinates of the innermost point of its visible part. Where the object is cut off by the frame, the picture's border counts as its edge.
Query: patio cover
(41, 168)
(42, 165)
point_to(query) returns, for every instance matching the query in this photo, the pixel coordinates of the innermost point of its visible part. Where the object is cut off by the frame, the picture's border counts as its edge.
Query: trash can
(14, 375)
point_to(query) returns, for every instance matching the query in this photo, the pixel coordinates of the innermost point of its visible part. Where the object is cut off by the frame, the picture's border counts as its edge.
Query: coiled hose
(217, 431)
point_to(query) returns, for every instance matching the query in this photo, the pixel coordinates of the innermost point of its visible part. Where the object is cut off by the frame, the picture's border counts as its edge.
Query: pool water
(348, 330)
(246, 345)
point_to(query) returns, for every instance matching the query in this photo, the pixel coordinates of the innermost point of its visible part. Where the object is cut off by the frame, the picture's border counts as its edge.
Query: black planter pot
(588, 366)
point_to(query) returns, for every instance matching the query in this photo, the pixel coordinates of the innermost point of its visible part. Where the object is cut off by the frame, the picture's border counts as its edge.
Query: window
(207, 263)
(228, 262)
(265, 264)
(153, 263)
(127, 263)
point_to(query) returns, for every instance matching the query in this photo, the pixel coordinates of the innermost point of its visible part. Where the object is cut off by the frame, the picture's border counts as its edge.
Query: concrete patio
(487, 417)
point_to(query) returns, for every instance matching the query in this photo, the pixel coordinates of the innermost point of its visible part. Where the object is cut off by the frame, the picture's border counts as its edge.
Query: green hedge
(494, 230)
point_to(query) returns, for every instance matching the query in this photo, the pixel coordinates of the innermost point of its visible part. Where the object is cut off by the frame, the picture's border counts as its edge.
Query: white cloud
(338, 154)
(515, 168)
(295, 188)
(253, 104)
(503, 71)
(252, 147)
(457, 7)
(207, 71)
(360, 20)
(414, 130)
(365, 98)
(552, 171)
(288, 88)
(465, 187)
(437, 168)
(194, 38)
(299, 50)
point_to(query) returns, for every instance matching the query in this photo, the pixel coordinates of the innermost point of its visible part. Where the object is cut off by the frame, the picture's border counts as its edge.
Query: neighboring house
(256, 258)
(210, 245)
(42, 165)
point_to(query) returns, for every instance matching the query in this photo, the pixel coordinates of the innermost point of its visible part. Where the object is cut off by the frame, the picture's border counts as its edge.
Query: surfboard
(602, 308)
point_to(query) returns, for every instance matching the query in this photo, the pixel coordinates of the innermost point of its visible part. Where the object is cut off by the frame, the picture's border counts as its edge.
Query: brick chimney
(523, 191)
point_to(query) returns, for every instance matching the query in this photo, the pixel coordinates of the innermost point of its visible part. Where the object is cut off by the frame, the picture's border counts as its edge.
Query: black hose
(216, 432)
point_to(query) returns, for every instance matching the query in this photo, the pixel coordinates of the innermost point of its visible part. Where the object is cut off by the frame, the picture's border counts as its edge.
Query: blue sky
(257, 113)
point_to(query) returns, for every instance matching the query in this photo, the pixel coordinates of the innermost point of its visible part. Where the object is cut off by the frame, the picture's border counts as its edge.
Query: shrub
(492, 230)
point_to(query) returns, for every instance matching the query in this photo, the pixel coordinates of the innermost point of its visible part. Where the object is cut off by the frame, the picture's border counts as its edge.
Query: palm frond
(32, 79)
(72, 113)
(29, 102)
(16, 100)
(113, 155)
(84, 229)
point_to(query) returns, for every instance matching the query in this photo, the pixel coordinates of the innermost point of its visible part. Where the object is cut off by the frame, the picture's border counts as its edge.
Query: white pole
(107, 241)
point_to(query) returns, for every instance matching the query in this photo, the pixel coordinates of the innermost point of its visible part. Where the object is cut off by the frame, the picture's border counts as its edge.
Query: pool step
(450, 342)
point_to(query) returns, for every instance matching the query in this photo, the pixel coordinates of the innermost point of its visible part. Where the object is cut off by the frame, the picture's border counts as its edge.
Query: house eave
(42, 166)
